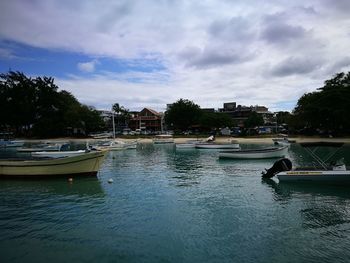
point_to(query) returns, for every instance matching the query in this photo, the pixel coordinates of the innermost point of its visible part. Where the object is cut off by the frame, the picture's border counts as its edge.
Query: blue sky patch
(63, 64)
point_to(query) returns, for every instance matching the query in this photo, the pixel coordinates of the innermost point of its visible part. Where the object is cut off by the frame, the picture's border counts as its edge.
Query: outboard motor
(279, 166)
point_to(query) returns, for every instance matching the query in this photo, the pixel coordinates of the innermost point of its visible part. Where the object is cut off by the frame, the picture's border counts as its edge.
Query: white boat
(185, 145)
(163, 138)
(58, 154)
(211, 145)
(336, 173)
(103, 135)
(45, 147)
(11, 143)
(264, 153)
(83, 164)
(116, 145)
(189, 144)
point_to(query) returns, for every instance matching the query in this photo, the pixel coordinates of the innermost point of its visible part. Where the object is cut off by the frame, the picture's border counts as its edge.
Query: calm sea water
(168, 205)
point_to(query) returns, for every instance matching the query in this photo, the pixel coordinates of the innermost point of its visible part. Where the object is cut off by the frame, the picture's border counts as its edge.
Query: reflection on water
(322, 206)
(90, 187)
(167, 205)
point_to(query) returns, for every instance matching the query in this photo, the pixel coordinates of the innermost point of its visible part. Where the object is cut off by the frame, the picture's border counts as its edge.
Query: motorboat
(163, 138)
(334, 173)
(83, 164)
(263, 153)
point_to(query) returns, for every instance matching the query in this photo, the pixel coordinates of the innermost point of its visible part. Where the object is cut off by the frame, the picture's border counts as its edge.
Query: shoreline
(219, 139)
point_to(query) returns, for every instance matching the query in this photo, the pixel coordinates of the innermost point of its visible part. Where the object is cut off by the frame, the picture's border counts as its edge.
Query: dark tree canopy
(328, 108)
(182, 114)
(214, 120)
(253, 120)
(122, 115)
(34, 106)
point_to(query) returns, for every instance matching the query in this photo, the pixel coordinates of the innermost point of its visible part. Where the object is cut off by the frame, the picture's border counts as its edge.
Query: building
(240, 113)
(147, 120)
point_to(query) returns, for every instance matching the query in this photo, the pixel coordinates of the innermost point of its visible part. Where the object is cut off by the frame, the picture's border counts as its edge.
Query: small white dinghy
(264, 153)
(163, 138)
(212, 145)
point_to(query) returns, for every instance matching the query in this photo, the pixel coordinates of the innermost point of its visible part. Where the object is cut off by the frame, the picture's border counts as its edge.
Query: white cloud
(250, 51)
(87, 66)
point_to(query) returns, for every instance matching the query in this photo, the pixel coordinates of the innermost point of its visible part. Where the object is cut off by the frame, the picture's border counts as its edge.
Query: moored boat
(163, 138)
(11, 143)
(264, 153)
(116, 145)
(210, 145)
(83, 164)
(58, 154)
(45, 147)
(335, 173)
(185, 145)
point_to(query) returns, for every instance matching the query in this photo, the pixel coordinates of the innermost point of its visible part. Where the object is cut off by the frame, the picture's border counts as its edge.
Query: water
(168, 205)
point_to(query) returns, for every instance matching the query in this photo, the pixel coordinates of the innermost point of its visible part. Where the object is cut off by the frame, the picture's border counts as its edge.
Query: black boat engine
(279, 166)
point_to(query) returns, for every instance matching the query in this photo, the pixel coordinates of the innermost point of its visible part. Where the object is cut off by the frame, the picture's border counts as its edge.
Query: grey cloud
(228, 43)
(113, 15)
(340, 6)
(209, 58)
(236, 28)
(295, 66)
(276, 29)
(282, 33)
(339, 65)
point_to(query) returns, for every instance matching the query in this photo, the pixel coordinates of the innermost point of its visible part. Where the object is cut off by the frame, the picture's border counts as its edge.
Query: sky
(149, 53)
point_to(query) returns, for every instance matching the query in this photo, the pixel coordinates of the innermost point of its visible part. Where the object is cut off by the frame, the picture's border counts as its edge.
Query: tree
(35, 106)
(213, 120)
(182, 114)
(122, 114)
(253, 120)
(326, 109)
(283, 117)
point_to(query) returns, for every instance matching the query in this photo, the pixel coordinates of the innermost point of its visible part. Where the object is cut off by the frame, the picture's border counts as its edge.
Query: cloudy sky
(147, 53)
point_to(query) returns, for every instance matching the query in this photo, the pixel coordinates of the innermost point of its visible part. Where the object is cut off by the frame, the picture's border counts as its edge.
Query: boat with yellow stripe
(335, 172)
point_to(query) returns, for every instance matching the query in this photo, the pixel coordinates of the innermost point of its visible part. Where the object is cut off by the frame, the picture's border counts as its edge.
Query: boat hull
(163, 141)
(11, 144)
(85, 164)
(330, 177)
(217, 146)
(185, 145)
(255, 154)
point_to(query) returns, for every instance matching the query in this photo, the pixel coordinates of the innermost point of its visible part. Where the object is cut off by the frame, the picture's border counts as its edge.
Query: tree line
(325, 111)
(35, 107)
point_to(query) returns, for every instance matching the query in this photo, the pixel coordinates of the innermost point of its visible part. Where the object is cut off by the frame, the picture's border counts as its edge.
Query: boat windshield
(312, 147)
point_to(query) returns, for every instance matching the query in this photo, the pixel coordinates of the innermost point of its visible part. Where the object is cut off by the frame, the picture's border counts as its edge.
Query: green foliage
(283, 117)
(35, 106)
(182, 114)
(213, 120)
(122, 114)
(328, 108)
(253, 120)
